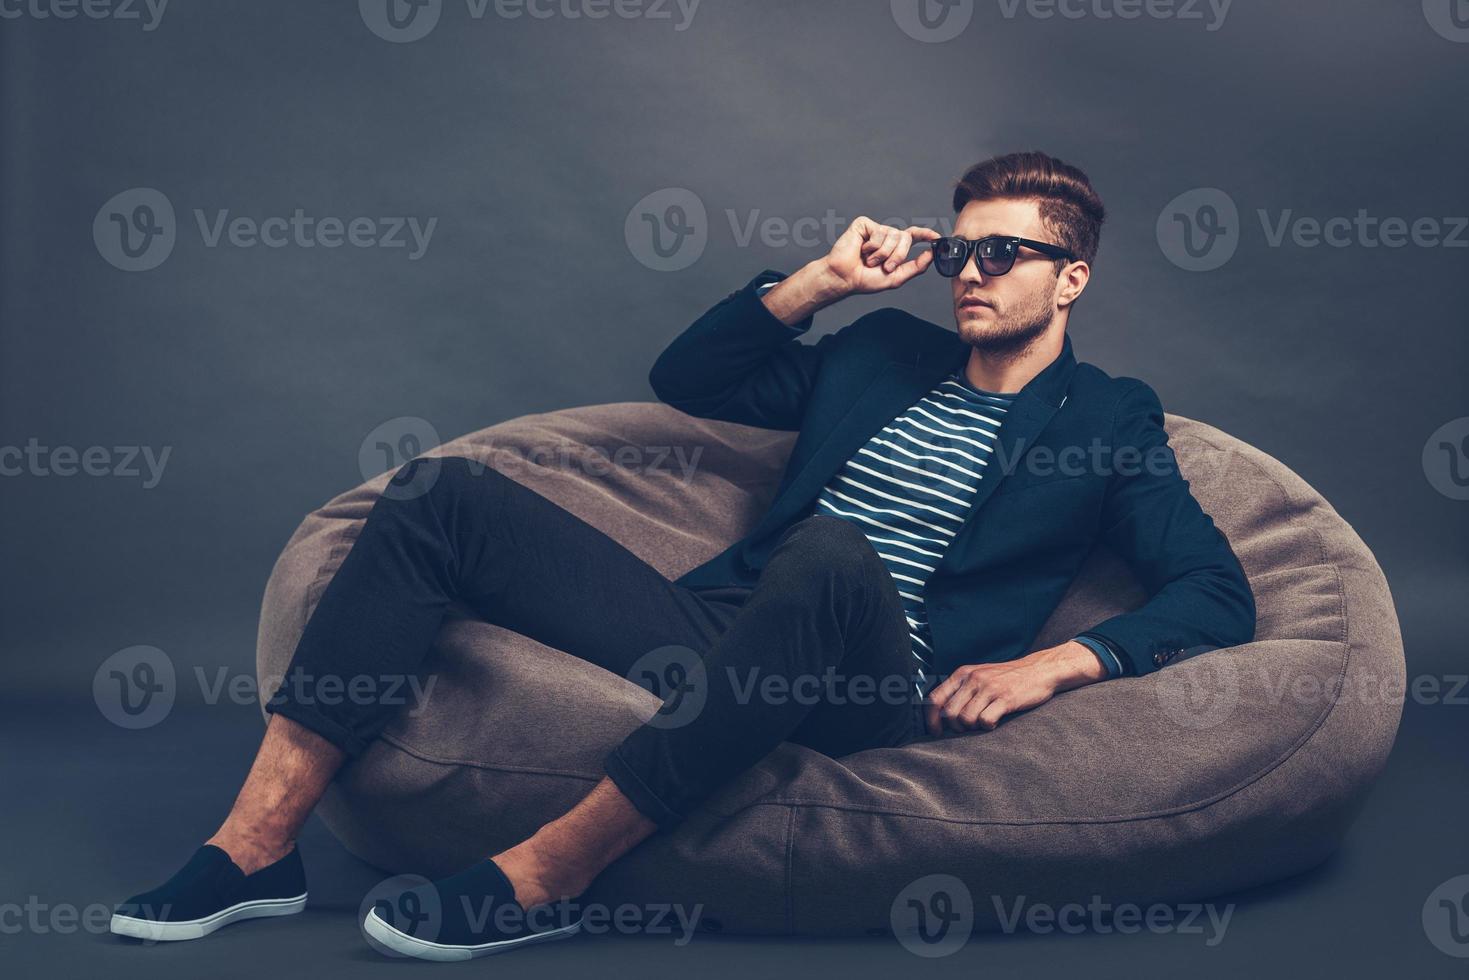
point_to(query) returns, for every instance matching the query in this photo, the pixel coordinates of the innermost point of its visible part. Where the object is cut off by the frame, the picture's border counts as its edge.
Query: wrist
(800, 295)
(824, 285)
(1069, 665)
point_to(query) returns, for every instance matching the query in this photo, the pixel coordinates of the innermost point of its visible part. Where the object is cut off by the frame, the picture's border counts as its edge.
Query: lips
(972, 303)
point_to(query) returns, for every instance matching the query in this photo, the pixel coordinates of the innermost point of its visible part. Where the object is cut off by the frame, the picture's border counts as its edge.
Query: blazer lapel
(1029, 414)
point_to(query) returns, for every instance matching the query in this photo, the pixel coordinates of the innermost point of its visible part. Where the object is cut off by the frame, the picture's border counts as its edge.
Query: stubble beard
(1010, 335)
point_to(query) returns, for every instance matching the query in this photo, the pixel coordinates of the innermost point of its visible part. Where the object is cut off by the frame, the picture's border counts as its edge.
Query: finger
(931, 720)
(932, 712)
(922, 234)
(936, 699)
(861, 226)
(911, 268)
(980, 694)
(890, 236)
(889, 247)
(976, 706)
(993, 713)
(953, 709)
(857, 234)
(901, 247)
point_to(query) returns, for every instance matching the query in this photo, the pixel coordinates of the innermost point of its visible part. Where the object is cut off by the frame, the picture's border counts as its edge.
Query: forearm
(798, 296)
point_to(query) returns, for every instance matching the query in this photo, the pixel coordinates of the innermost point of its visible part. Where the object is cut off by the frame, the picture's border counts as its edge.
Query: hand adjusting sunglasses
(995, 255)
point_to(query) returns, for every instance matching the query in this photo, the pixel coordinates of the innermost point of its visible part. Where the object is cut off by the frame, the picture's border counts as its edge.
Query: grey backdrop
(531, 140)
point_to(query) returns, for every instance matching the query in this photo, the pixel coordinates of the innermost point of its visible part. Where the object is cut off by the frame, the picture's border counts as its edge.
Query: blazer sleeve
(1199, 596)
(738, 363)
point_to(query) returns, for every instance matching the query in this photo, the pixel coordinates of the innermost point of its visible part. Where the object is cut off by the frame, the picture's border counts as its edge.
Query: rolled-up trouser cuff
(625, 778)
(343, 738)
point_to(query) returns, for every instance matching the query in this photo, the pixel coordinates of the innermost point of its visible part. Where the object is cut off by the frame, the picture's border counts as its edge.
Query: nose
(970, 273)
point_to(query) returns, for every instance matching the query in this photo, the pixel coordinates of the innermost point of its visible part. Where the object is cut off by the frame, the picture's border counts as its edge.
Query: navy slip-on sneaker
(469, 914)
(209, 892)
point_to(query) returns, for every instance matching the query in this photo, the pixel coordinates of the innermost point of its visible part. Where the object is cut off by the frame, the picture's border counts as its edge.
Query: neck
(1008, 372)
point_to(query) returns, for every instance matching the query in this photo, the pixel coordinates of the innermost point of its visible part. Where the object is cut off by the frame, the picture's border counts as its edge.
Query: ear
(1073, 282)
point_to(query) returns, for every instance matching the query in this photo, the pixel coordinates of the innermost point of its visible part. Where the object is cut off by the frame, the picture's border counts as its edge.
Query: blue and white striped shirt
(910, 487)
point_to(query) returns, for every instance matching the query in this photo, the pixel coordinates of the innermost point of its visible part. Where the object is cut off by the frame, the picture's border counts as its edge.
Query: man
(941, 496)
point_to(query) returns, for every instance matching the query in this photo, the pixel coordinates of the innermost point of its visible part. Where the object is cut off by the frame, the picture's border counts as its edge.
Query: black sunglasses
(995, 255)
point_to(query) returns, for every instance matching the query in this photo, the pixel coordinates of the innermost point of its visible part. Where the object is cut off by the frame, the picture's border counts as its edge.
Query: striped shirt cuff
(1109, 658)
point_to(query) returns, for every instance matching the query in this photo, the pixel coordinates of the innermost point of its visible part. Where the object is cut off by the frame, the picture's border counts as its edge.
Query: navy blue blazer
(1082, 458)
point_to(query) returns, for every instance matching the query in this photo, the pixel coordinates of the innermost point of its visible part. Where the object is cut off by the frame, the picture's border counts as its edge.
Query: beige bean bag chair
(1220, 771)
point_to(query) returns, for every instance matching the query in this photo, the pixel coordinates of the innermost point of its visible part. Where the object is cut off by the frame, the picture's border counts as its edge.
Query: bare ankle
(538, 878)
(250, 852)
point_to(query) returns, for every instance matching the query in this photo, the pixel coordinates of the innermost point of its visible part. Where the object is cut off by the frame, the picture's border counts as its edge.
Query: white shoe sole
(127, 925)
(385, 939)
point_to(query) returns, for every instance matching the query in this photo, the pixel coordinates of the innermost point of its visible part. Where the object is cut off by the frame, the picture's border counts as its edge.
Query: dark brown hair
(1069, 207)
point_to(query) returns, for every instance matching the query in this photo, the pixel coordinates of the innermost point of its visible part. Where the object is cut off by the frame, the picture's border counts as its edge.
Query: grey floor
(92, 814)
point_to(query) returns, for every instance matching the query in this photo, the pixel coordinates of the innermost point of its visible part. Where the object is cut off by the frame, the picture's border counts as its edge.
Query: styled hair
(1069, 207)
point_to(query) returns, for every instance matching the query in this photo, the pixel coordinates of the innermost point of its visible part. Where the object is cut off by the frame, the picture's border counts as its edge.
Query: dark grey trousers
(816, 653)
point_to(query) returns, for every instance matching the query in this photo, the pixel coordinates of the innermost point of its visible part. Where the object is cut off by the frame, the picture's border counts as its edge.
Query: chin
(975, 327)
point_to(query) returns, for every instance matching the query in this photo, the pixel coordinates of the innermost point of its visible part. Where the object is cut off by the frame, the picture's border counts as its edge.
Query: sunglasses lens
(996, 256)
(949, 256)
